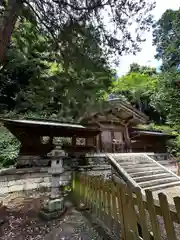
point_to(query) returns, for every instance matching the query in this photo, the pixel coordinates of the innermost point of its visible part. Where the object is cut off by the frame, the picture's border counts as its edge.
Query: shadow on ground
(22, 222)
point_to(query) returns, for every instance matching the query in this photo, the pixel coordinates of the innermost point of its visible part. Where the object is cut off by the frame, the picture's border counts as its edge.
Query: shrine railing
(125, 213)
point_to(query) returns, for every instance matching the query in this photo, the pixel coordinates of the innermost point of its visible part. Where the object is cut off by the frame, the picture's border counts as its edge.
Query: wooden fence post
(177, 204)
(142, 216)
(167, 217)
(121, 211)
(152, 214)
(121, 208)
(132, 213)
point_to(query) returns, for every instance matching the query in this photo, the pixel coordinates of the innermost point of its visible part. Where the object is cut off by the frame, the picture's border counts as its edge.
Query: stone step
(146, 173)
(151, 177)
(135, 170)
(165, 162)
(130, 160)
(90, 162)
(161, 186)
(142, 165)
(135, 166)
(157, 182)
(172, 169)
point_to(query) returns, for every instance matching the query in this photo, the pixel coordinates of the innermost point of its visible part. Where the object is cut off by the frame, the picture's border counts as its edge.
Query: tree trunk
(7, 23)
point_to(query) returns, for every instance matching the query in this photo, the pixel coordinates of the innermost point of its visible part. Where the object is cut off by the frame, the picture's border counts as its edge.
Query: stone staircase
(165, 160)
(143, 171)
(97, 165)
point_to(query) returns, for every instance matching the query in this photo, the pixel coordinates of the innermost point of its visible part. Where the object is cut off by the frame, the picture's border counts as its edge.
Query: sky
(146, 56)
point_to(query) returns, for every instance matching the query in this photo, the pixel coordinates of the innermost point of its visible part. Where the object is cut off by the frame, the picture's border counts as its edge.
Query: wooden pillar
(74, 140)
(95, 142)
(127, 138)
(100, 142)
(113, 144)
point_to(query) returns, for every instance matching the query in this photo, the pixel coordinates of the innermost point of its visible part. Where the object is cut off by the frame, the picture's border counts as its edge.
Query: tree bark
(7, 23)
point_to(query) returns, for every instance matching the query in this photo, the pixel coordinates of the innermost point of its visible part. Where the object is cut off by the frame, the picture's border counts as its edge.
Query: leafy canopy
(36, 78)
(166, 38)
(113, 21)
(166, 99)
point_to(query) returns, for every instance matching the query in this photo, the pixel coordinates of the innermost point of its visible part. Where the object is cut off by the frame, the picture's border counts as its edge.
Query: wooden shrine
(37, 139)
(113, 129)
(117, 124)
(149, 141)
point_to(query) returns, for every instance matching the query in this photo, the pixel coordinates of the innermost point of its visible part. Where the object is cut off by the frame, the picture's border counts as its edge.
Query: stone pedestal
(53, 208)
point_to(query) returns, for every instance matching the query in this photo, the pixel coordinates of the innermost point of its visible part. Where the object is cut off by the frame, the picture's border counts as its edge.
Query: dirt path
(23, 223)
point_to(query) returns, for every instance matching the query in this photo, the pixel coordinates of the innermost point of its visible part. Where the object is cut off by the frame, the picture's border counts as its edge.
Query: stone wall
(13, 180)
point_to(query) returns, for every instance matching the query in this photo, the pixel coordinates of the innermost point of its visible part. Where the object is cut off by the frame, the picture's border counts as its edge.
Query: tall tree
(135, 67)
(53, 15)
(166, 98)
(137, 87)
(35, 78)
(9, 12)
(166, 38)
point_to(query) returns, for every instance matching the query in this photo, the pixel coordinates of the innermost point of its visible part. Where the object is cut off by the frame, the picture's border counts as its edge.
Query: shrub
(9, 147)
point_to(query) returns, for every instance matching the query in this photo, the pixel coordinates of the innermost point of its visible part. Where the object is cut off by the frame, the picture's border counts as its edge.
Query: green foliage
(134, 67)
(75, 16)
(38, 82)
(9, 147)
(137, 87)
(166, 38)
(37, 79)
(166, 98)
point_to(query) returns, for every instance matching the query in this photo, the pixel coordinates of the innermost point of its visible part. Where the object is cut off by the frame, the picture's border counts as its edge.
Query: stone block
(47, 179)
(29, 186)
(11, 183)
(51, 215)
(45, 184)
(44, 169)
(52, 205)
(3, 184)
(16, 188)
(4, 190)
(38, 180)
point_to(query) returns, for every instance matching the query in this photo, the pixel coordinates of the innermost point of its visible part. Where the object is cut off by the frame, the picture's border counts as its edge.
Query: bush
(9, 147)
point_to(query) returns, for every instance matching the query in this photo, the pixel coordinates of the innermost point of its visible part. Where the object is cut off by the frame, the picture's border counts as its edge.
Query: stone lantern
(54, 206)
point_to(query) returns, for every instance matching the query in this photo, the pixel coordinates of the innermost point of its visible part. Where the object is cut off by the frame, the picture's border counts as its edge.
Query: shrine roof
(48, 127)
(152, 133)
(43, 123)
(118, 111)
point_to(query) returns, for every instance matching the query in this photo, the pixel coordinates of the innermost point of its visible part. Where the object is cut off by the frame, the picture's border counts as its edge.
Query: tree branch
(39, 18)
(92, 7)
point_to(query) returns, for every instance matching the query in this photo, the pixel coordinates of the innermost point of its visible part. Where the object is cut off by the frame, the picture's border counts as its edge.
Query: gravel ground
(20, 213)
(162, 227)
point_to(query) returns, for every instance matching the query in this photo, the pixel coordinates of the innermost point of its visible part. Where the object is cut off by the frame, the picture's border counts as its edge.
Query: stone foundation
(13, 180)
(32, 161)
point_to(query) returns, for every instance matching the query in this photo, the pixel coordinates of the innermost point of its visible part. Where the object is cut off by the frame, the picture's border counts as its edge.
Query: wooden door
(106, 137)
(118, 142)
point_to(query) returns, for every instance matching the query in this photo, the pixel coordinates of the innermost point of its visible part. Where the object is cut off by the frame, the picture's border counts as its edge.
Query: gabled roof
(117, 110)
